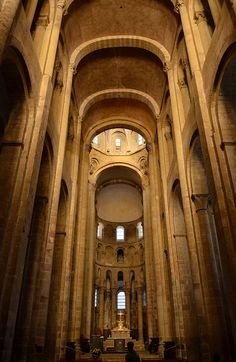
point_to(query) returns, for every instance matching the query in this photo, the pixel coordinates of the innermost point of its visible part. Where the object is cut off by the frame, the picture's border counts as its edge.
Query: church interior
(117, 180)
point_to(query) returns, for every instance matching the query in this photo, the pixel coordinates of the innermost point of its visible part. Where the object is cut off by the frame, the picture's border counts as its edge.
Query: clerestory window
(140, 230)
(118, 143)
(120, 233)
(121, 300)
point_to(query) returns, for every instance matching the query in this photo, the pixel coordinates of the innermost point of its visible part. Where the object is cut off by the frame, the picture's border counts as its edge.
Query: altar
(120, 332)
(120, 336)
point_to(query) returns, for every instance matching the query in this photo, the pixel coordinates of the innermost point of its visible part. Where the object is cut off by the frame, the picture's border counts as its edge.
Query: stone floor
(120, 357)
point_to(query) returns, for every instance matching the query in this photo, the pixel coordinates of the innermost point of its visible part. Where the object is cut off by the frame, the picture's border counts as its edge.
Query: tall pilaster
(211, 286)
(158, 242)
(48, 261)
(19, 236)
(101, 308)
(89, 271)
(48, 58)
(79, 246)
(140, 314)
(148, 254)
(177, 114)
(127, 303)
(66, 283)
(224, 208)
(113, 307)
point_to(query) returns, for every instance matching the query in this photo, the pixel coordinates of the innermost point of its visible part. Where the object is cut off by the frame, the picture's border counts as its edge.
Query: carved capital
(201, 201)
(166, 67)
(200, 16)
(182, 83)
(42, 21)
(143, 165)
(61, 4)
(93, 165)
(178, 5)
(149, 146)
(72, 68)
(184, 63)
(80, 119)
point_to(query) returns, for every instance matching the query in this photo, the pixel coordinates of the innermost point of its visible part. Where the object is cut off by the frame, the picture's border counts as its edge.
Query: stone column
(181, 8)
(201, 20)
(7, 14)
(215, 10)
(210, 282)
(127, 303)
(48, 261)
(108, 309)
(53, 40)
(66, 285)
(158, 243)
(225, 209)
(183, 86)
(101, 308)
(177, 114)
(167, 305)
(140, 314)
(148, 253)
(113, 307)
(79, 245)
(90, 258)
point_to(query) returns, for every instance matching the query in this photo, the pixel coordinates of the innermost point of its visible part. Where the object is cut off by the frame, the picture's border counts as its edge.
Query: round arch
(120, 41)
(117, 122)
(99, 171)
(119, 93)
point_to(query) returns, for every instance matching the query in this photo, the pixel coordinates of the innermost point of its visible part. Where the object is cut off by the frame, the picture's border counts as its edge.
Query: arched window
(95, 140)
(140, 230)
(96, 297)
(100, 230)
(120, 233)
(140, 140)
(121, 300)
(118, 143)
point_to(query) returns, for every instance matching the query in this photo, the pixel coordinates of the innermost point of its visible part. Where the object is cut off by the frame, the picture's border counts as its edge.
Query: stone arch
(54, 311)
(119, 93)
(15, 113)
(120, 41)
(198, 178)
(117, 122)
(224, 111)
(24, 338)
(182, 280)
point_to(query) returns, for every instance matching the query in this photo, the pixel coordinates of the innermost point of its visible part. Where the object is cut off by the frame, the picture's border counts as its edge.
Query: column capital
(61, 4)
(182, 83)
(72, 68)
(178, 5)
(201, 201)
(158, 118)
(94, 163)
(200, 16)
(80, 119)
(149, 146)
(167, 66)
